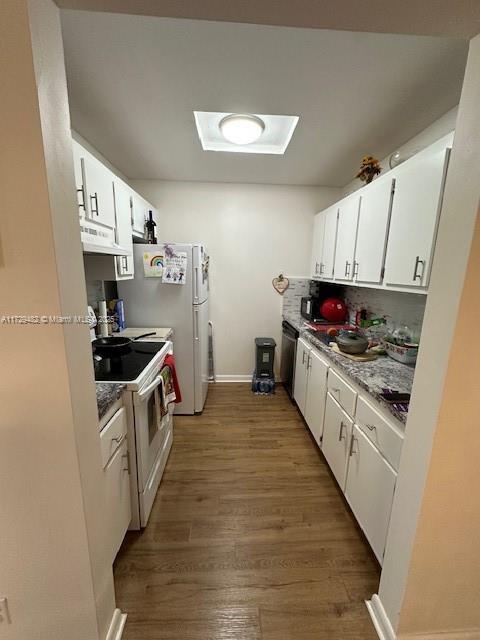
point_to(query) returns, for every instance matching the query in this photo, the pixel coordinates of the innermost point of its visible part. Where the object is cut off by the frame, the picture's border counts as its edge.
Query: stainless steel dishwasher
(289, 351)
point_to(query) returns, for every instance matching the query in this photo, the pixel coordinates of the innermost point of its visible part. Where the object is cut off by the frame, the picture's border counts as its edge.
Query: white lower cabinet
(337, 431)
(369, 490)
(360, 443)
(315, 395)
(301, 374)
(117, 499)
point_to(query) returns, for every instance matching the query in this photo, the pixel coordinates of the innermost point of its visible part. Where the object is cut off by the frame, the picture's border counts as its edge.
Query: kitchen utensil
(333, 310)
(352, 342)
(114, 344)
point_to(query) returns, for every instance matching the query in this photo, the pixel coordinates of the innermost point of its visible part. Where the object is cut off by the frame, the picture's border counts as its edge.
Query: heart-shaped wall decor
(280, 284)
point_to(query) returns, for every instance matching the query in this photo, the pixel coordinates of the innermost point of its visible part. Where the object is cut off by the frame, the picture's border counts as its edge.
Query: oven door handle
(151, 387)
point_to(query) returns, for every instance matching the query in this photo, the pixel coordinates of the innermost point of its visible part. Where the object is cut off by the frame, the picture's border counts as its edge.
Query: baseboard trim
(233, 377)
(380, 619)
(117, 625)
(230, 377)
(385, 630)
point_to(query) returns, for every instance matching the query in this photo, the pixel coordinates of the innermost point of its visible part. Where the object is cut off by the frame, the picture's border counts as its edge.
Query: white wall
(53, 566)
(253, 232)
(442, 582)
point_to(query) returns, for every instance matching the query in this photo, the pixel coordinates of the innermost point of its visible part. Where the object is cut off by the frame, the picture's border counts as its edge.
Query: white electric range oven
(149, 436)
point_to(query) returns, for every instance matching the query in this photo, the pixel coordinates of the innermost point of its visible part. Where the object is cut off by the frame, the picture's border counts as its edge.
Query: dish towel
(170, 363)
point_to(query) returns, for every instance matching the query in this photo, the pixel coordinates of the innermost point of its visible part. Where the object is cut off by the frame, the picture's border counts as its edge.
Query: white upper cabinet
(123, 212)
(140, 214)
(317, 244)
(98, 184)
(79, 182)
(329, 242)
(415, 213)
(374, 217)
(346, 237)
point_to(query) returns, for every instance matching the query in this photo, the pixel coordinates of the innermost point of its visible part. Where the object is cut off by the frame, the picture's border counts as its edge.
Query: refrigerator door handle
(195, 323)
(197, 286)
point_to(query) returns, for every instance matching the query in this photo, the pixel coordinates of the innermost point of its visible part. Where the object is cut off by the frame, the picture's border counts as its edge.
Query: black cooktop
(128, 365)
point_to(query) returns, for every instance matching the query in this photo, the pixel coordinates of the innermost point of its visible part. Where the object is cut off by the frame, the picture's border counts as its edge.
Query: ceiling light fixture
(241, 129)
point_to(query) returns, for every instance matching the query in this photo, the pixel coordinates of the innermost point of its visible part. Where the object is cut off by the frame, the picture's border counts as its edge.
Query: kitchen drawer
(384, 435)
(112, 435)
(342, 392)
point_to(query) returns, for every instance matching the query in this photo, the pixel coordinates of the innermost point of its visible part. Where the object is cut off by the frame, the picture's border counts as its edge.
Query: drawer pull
(372, 427)
(117, 439)
(340, 435)
(352, 441)
(335, 389)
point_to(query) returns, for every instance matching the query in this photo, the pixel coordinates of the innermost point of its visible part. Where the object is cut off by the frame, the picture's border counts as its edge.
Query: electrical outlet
(4, 612)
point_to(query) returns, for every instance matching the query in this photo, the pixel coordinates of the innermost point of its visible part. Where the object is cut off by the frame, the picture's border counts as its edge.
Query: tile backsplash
(398, 308)
(297, 288)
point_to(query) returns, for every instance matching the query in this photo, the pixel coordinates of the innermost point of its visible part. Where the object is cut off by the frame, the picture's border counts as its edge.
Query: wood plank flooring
(249, 538)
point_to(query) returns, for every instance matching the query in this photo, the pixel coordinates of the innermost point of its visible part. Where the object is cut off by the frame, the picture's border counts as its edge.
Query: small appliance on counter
(323, 310)
(310, 308)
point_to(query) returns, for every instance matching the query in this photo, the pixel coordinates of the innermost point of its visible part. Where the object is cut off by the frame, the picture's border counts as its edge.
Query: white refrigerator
(150, 302)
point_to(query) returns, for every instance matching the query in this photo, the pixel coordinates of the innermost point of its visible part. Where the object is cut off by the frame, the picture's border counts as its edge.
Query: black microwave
(310, 308)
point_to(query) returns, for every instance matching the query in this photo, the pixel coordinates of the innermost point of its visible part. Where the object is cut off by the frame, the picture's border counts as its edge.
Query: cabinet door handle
(336, 390)
(416, 275)
(82, 203)
(303, 357)
(118, 439)
(92, 199)
(340, 434)
(309, 361)
(322, 266)
(355, 269)
(352, 441)
(347, 268)
(127, 468)
(371, 427)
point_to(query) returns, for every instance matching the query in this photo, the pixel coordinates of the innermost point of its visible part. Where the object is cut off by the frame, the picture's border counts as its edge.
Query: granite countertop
(107, 394)
(373, 376)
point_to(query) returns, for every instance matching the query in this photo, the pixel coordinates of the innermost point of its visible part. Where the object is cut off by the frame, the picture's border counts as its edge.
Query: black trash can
(264, 357)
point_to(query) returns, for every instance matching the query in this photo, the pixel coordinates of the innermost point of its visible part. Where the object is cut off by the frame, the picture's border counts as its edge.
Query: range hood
(111, 250)
(100, 240)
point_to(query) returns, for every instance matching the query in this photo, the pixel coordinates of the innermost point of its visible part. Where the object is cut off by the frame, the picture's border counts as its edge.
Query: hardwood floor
(249, 538)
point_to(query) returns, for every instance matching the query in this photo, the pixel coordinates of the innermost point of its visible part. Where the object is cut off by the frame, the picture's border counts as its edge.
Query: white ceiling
(134, 82)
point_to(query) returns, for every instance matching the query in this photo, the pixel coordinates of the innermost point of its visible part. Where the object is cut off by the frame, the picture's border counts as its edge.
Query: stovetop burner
(127, 366)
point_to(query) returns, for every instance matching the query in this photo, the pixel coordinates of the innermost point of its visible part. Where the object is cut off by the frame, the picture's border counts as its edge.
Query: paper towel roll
(102, 317)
